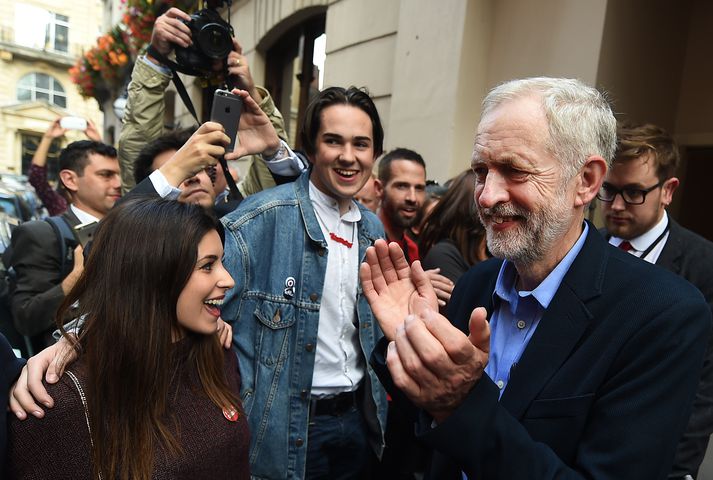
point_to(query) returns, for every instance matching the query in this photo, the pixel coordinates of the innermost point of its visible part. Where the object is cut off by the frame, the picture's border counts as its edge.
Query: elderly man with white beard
(566, 357)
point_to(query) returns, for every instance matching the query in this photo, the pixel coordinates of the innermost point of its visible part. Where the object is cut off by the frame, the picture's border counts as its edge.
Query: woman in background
(152, 393)
(452, 238)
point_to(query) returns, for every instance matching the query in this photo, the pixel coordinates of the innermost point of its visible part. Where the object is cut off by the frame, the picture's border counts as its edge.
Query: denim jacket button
(299, 442)
(313, 297)
(309, 347)
(304, 394)
(321, 252)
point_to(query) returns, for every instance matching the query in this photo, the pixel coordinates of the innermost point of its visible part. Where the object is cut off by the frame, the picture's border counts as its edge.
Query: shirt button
(313, 297)
(299, 442)
(309, 347)
(521, 324)
(500, 384)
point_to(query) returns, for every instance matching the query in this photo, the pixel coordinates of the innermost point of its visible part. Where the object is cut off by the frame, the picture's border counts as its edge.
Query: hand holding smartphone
(85, 232)
(226, 111)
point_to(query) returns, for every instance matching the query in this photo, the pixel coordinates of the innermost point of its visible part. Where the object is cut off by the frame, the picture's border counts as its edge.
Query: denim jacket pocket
(274, 335)
(269, 411)
(275, 315)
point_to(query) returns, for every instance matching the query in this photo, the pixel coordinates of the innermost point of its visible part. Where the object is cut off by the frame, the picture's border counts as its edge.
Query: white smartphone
(73, 123)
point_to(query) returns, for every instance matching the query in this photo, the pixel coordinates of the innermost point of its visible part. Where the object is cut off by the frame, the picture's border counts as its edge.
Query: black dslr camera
(212, 40)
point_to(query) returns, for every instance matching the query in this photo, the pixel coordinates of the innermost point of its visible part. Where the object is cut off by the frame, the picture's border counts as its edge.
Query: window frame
(53, 91)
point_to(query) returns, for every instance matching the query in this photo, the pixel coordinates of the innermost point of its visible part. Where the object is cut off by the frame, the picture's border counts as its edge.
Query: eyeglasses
(631, 196)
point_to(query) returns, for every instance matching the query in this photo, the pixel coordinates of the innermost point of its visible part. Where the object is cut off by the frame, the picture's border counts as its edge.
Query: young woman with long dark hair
(452, 237)
(152, 393)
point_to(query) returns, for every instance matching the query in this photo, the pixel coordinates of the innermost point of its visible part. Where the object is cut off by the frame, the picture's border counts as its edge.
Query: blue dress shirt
(518, 312)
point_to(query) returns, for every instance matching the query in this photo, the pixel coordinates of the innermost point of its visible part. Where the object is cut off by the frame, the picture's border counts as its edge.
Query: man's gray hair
(579, 117)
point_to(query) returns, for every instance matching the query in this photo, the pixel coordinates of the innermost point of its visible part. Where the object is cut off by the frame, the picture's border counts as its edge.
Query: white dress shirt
(339, 363)
(83, 216)
(641, 243)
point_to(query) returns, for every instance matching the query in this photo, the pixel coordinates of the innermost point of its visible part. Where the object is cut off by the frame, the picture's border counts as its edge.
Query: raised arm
(51, 199)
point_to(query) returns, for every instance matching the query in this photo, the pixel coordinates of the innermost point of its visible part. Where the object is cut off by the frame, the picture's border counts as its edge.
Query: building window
(38, 28)
(40, 86)
(30, 143)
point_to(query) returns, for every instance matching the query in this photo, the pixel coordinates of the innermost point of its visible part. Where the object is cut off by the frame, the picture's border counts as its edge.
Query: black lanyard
(656, 242)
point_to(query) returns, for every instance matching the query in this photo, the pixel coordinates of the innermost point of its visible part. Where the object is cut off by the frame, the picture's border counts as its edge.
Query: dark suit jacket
(603, 389)
(36, 260)
(10, 367)
(691, 256)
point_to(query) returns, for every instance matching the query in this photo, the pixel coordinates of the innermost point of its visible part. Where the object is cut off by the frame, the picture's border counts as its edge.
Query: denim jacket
(276, 252)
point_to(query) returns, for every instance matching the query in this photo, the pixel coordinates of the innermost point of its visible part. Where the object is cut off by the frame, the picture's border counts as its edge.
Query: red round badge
(231, 413)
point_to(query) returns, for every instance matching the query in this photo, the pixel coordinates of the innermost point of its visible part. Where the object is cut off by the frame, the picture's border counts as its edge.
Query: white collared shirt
(641, 243)
(83, 216)
(339, 363)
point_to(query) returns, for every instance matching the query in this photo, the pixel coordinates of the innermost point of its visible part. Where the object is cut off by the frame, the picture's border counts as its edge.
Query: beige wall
(559, 38)
(642, 58)
(429, 64)
(85, 20)
(694, 114)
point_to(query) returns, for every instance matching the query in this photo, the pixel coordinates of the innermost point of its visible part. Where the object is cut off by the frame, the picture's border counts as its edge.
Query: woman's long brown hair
(454, 218)
(142, 257)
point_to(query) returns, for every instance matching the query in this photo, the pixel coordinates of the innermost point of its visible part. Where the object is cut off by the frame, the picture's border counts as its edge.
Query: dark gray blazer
(691, 256)
(36, 260)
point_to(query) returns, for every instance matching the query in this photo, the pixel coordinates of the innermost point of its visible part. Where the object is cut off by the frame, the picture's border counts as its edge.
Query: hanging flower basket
(107, 66)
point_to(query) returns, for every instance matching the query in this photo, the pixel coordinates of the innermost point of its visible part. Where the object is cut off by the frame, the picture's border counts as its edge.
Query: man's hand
(169, 30)
(442, 285)
(238, 68)
(202, 150)
(77, 270)
(392, 287)
(225, 332)
(28, 391)
(55, 130)
(91, 132)
(435, 364)
(256, 134)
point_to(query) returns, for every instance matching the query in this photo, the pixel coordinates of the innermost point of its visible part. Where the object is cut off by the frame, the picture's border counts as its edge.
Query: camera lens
(214, 40)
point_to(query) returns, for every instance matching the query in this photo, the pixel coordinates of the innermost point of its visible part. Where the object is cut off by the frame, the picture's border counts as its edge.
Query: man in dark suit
(89, 172)
(567, 359)
(635, 194)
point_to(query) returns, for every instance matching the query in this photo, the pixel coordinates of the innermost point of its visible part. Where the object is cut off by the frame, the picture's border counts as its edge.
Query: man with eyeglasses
(634, 197)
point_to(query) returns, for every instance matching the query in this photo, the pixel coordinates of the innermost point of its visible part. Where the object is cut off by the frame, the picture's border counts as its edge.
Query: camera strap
(174, 67)
(181, 89)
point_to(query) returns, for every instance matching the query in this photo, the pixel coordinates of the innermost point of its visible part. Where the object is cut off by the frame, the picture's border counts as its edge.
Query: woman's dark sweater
(58, 446)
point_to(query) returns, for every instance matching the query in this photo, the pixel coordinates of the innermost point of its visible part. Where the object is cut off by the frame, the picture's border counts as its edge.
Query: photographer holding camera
(144, 114)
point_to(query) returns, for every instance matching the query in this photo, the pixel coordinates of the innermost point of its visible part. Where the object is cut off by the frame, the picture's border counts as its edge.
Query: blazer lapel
(560, 328)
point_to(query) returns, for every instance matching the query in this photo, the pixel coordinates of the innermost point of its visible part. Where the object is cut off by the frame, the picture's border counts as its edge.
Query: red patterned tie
(626, 246)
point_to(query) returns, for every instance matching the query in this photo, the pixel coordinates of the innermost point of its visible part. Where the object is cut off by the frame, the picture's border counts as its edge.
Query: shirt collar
(328, 205)
(644, 241)
(505, 286)
(83, 216)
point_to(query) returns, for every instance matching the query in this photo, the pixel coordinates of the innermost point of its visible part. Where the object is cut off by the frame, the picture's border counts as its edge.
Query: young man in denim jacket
(302, 328)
